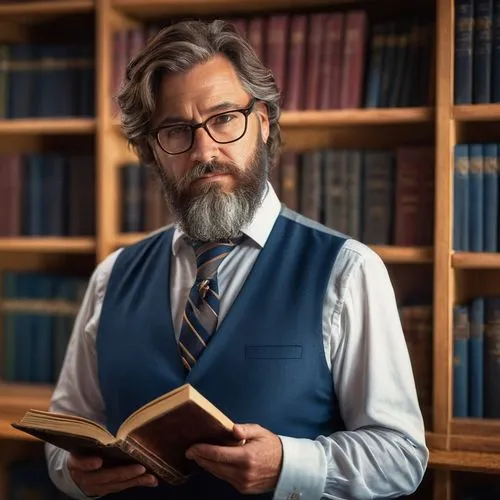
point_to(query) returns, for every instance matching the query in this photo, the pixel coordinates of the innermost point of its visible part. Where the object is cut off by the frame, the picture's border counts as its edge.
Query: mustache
(201, 169)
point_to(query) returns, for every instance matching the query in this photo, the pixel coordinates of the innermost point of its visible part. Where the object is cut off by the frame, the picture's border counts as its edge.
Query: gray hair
(178, 48)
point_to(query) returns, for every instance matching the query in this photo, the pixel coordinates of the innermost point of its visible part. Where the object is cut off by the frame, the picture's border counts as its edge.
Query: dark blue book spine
(464, 39)
(476, 198)
(495, 65)
(34, 202)
(460, 361)
(492, 358)
(377, 45)
(490, 191)
(476, 314)
(483, 31)
(461, 198)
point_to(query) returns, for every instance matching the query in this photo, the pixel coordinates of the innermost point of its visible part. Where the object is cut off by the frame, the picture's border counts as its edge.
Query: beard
(205, 212)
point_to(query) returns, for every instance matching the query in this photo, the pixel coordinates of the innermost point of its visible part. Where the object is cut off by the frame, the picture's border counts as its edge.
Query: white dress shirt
(381, 454)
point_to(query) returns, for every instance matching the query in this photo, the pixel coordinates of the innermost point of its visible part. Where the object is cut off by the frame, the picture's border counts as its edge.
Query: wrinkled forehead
(199, 90)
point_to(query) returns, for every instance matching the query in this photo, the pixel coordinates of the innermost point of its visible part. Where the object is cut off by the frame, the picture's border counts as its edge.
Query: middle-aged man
(290, 328)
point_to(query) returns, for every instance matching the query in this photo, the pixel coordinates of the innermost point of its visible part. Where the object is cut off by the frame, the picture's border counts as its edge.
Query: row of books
(477, 51)
(27, 478)
(476, 366)
(42, 80)
(380, 197)
(475, 198)
(326, 60)
(38, 311)
(416, 321)
(47, 195)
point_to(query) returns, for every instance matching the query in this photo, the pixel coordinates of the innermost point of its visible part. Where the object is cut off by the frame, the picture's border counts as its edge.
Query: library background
(391, 114)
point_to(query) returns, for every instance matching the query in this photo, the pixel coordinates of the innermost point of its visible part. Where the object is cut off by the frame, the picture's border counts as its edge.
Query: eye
(176, 131)
(223, 119)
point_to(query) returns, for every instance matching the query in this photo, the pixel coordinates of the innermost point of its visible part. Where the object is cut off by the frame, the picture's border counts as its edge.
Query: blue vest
(265, 364)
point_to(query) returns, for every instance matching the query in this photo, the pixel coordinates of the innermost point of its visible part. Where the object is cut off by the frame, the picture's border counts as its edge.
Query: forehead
(200, 88)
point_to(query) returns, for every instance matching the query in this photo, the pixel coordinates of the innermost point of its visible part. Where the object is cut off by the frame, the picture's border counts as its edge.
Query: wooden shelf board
(48, 245)
(8, 432)
(477, 112)
(343, 117)
(475, 260)
(465, 461)
(50, 7)
(393, 254)
(148, 8)
(45, 126)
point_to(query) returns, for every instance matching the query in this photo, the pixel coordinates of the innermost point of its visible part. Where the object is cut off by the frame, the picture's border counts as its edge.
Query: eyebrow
(221, 107)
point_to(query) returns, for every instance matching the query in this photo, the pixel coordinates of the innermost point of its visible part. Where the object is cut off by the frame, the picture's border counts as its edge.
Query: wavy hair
(178, 48)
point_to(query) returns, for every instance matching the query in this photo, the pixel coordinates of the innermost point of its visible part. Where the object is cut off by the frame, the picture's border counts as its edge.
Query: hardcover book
(156, 435)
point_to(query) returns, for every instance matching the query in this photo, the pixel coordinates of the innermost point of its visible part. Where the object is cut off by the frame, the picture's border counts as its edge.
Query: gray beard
(213, 214)
(217, 215)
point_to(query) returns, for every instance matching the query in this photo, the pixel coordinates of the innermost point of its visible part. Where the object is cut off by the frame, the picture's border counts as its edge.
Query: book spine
(464, 37)
(482, 49)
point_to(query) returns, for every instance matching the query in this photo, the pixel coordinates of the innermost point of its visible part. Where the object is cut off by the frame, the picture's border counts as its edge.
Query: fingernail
(151, 480)
(140, 469)
(189, 454)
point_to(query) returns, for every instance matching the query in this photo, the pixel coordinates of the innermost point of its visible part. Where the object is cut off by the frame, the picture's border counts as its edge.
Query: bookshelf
(456, 444)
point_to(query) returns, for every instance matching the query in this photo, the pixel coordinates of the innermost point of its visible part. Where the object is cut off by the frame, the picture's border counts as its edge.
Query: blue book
(490, 196)
(464, 42)
(461, 198)
(495, 74)
(483, 31)
(476, 315)
(476, 169)
(492, 358)
(460, 361)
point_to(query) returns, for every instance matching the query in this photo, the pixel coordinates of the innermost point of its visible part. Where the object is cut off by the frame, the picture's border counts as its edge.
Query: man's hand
(251, 468)
(93, 480)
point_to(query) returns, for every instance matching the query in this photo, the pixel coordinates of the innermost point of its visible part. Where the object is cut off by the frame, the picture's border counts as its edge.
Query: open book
(156, 435)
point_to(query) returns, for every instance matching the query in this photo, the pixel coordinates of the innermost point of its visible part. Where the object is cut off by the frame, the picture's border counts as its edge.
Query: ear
(263, 116)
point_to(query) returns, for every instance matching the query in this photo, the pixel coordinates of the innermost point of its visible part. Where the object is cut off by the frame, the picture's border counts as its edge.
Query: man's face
(214, 189)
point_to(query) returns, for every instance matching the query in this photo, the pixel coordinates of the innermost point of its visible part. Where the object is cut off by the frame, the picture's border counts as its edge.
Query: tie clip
(203, 288)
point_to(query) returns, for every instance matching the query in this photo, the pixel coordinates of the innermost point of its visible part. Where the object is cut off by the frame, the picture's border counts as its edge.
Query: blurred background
(390, 114)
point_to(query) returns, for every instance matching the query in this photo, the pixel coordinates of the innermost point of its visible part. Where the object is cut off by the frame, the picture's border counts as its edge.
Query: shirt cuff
(303, 472)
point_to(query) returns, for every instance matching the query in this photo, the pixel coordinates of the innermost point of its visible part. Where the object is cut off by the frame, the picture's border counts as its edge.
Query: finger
(78, 462)
(248, 431)
(118, 474)
(225, 472)
(220, 454)
(106, 489)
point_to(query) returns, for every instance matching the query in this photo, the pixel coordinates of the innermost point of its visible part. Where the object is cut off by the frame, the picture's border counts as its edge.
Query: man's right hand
(94, 480)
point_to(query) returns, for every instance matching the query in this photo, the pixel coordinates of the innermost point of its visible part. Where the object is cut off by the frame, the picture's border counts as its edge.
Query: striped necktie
(202, 307)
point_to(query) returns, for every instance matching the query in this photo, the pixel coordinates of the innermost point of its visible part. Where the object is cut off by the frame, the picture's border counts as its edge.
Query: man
(289, 328)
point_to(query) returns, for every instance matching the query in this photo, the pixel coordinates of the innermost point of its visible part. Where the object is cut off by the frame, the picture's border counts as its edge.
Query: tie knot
(210, 255)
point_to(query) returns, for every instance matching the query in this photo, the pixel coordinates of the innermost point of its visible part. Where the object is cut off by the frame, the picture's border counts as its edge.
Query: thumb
(244, 432)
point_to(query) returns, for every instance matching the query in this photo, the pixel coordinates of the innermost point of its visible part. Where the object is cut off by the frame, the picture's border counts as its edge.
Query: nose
(204, 147)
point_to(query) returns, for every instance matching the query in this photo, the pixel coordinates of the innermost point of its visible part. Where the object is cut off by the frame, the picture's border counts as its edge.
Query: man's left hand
(251, 468)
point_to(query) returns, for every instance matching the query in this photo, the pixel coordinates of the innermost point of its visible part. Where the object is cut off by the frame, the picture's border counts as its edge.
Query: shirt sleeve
(77, 390)
(382, 453)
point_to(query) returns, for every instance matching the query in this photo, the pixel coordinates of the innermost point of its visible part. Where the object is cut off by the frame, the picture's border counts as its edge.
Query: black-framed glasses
(223, 128)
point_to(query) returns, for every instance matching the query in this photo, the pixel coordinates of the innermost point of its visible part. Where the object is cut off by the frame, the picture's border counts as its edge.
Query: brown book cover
(331, 64)
(315, 39)
(353, 59)
(293, 98)
(156, 435)
(276, 49)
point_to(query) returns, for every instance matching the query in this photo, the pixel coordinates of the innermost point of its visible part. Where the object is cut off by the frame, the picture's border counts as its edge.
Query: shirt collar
(258, 229)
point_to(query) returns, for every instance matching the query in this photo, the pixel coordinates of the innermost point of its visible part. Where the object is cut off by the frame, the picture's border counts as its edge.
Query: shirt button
(295, 495)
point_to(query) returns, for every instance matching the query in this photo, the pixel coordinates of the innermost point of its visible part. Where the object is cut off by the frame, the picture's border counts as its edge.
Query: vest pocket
(273, 352)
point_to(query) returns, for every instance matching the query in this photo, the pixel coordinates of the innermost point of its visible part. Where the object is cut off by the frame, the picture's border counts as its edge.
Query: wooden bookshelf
(50, 7)
(156, 8)
(456, 444)
(475, 260)
(52, 126)
(48, 245)
(349, 117)
(477, 113)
